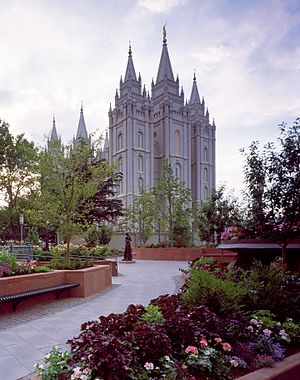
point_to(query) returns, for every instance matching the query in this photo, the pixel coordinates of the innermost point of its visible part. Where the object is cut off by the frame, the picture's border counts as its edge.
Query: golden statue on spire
(164, 32)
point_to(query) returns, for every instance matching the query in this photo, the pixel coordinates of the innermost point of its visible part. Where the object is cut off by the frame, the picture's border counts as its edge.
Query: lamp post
(21, 220)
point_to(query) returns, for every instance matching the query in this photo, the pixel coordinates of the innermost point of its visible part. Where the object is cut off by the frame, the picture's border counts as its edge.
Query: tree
(69, 181)
(142, 214)
(172, 199)
(18, 173)
(274, 194)
(216, 213)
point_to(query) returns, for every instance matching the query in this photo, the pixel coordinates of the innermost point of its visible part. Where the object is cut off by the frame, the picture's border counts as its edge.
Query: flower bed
(212, 330)
(91, 280)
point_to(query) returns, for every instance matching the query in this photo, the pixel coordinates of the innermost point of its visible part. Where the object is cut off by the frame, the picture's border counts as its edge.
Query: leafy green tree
(68, 179)
(142, 214)
(274, 193)
(18, 174)
(172, 200)
(216, 213)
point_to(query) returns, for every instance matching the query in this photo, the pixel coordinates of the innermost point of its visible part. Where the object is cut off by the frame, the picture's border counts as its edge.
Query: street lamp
(21, 220)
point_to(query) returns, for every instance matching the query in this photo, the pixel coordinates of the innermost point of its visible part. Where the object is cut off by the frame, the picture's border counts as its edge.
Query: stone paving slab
(26, 336)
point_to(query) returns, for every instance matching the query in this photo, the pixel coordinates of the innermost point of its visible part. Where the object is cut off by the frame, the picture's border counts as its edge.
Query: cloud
(210, 56)
(160, 6)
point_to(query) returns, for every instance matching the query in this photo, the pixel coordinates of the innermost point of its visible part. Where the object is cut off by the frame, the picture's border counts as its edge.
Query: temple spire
(130, 71)
(165, 69)
(54, 136)
(195, 98)
(81, 130)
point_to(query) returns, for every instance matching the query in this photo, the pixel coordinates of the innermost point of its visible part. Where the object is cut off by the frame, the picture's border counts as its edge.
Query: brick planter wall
(182, 254)
(91, 280)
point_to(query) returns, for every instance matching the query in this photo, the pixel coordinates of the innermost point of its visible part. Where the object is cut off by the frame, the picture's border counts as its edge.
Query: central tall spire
(195, 98)
(165, 69)
(130, 72)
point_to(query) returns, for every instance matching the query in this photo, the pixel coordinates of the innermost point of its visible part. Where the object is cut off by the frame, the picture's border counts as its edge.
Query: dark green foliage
(69, 263)
(221, 296)
(273, 187)
(216, 213)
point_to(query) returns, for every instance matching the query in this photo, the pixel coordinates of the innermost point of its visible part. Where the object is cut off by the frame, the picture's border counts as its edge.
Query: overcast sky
(246, 55)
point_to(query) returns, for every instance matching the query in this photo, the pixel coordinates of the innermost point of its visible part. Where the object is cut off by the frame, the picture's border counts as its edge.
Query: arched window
(140, 164)
(141, 183)
(178, 170)
(140, 141)
(177, 143)
(120, 141)
(120, 164)
(205, 154)
(205, 174)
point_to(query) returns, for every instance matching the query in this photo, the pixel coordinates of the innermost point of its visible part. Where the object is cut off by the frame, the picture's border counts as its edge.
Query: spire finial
(130, 51)
(53, 120)
(165, 33)
(194, 78)
(81, 108)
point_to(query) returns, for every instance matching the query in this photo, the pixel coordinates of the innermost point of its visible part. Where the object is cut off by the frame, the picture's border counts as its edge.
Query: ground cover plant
(175, 337)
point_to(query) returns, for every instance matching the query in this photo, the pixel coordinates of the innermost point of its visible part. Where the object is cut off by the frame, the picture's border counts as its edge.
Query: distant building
(144, 130)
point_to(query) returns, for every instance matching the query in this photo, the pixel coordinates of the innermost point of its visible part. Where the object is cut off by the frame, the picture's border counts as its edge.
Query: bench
(18, 297)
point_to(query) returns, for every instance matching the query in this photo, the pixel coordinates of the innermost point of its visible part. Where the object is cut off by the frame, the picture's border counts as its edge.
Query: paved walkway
(27, 336)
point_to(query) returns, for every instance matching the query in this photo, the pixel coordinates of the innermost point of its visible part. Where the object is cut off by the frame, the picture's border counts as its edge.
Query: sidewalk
(27, 336)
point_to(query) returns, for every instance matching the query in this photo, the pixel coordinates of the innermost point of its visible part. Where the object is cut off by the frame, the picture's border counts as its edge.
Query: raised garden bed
(182, 254)
(91, 280)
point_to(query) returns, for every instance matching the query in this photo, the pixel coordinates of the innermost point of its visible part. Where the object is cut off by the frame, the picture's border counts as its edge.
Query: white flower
(149, 366)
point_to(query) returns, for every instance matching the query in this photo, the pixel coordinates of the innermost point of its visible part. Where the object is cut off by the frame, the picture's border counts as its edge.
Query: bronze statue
(128, 249)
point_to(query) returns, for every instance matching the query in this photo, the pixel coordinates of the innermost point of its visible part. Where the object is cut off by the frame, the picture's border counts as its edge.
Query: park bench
(18, 297)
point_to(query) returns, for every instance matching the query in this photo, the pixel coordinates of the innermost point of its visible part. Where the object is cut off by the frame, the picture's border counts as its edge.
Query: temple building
(146, 129)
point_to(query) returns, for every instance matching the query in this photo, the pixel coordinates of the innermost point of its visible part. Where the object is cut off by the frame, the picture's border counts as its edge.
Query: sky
(55, 54)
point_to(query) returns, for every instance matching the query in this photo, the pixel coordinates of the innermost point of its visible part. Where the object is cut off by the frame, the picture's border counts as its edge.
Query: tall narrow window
(141, 183)
(120, 164)
(140, 139)
(120, 141)
(205, 193)
(205, 154)
(177, 143)
(121, 187)
(205, 174)
(178, 171)
(140, 164)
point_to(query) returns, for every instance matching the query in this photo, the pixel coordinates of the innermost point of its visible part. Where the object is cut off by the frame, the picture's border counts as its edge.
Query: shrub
(221, 296)
(69, 263)
(153, 315)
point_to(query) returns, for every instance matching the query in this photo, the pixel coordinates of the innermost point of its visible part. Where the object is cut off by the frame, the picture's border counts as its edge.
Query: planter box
(91, 280)
(288, 369)
(182, 254)
(113, 265)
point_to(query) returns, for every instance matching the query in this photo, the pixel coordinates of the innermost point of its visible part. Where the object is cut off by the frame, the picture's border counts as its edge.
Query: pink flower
(87, 371)
(226, 347)
(203, 342)
(149, 366)
(234, 363)
(191, 350)
(218, 340)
